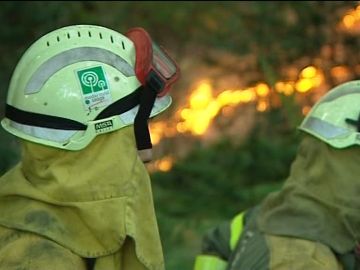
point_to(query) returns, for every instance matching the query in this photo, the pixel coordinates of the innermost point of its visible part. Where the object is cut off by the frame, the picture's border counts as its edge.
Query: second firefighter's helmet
(335, 118)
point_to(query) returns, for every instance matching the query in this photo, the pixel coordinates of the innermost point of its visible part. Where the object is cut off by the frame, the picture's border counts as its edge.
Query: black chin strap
(353, 122)
(142, 134)
(147, 99)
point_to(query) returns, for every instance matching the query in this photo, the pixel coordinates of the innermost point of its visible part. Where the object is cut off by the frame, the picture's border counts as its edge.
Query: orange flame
(340, 73)
(165, 164)
(309, 78)
(204, 106)
(351, 21)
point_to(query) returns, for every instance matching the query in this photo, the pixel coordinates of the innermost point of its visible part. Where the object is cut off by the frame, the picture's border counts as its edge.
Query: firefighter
(312, 223)
(80, 198)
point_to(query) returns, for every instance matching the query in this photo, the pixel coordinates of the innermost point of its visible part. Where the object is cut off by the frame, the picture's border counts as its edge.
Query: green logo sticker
(104, 126)
(94, 87)
(92, 80)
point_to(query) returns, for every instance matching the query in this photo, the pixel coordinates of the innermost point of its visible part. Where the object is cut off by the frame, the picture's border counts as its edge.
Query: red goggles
(154, 67)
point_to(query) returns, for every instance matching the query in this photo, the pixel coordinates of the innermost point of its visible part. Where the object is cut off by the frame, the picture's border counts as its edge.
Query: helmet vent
(79, 35)
(48, 43)
(123, 45)
(112, 39)
(100, 35)
(68, 35)
(57, 38)
(89, 34)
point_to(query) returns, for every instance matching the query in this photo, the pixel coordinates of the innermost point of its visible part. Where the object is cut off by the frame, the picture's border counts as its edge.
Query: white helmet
(335, 118)
(80, 81)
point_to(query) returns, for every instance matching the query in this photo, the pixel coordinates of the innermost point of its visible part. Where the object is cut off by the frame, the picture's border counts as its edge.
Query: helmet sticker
(95, 88)
(104, 126)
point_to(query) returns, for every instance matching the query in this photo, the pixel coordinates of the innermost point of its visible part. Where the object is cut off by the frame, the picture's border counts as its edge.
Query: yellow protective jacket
(312, 223)
(95, 203)
(239, 245)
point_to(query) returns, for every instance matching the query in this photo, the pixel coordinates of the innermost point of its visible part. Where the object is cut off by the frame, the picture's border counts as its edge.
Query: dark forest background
(211, 182)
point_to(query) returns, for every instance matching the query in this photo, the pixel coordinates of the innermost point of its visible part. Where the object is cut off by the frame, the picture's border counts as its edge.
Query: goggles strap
(141, 129)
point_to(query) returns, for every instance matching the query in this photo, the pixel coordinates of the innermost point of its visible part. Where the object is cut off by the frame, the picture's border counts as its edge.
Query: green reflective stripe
(209, 262)
(236, 229)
